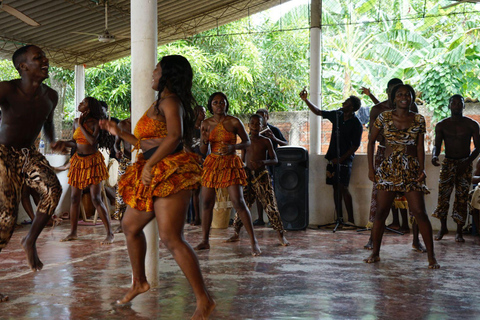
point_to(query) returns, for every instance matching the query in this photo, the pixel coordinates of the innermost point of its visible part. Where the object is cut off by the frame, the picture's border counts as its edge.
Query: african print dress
(399, 171)
(175, 172)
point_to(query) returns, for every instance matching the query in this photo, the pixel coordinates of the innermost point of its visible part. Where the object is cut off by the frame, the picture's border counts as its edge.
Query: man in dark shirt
(277, 139)
(349, 137)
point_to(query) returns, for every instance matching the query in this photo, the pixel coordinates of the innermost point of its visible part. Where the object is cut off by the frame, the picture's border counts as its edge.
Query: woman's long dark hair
(177, 77)
(97, 112)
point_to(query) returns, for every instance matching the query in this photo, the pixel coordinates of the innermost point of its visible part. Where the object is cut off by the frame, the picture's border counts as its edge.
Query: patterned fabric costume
(120, 206)
(86, 170)
(222, 171)
(260, 187)
(399, 171)
(448, 179)
(379, 157)
(17, 167)
(176, 172)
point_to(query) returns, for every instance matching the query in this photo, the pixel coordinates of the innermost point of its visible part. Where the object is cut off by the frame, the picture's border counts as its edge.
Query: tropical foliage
(260, 61)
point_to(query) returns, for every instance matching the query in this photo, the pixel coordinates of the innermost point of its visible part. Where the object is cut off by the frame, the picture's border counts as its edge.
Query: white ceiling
(61, 20)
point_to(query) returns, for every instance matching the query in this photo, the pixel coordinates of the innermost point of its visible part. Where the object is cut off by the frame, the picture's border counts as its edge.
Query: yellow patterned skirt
(223, 171)
(87, 171)
(175, 172)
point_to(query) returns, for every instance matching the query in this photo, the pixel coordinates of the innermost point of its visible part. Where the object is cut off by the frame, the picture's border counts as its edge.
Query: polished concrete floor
(320, 276)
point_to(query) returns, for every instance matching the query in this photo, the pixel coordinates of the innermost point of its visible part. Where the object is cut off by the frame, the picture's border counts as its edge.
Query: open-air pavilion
(320, 276)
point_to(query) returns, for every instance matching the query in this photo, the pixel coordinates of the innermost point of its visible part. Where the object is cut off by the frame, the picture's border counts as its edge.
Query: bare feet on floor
(204, 310)
(394, 226)
(3, 298)
(119, 229)
(283, 241)
(372, 259)
(459, 237)
(108, 239)
(70, 237)
(138, 287)
(202, 246)
(433, 264)
(234, 238)
(419, 247)
(32, 257)
(440, 234)
(369, 245)
(256, 250)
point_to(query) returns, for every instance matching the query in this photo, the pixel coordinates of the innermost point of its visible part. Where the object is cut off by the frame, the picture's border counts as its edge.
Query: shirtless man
(27, 107)
(379, 157)
(259, 184)
(456, 132)
(124, 160)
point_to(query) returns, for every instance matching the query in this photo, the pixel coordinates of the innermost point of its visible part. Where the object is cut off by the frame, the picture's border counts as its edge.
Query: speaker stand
(339, 222)
(386, 228)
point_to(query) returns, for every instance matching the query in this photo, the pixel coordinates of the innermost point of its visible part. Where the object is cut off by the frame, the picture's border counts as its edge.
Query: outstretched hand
(365, 91)
(303, 94)
(110, 126)
(435, 161)
(147, 174)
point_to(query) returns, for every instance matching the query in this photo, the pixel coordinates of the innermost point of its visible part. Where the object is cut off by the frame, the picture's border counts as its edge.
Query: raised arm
(366, 91)
(311, 106)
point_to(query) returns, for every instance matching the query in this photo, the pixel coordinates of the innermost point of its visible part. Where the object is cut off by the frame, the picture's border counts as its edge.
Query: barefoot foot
(119, 229)
(108, 239)
(372, 259)
(369, 245)
(256, 250)
(394, 226)
(70, 237)
(3, 298)
(234, 238)
(440, 234)
(419, 247)
(433, 264)
(283, 241)
(204, 310)
(459, 238)
(202, 246)
(136, 289)
(32, 257)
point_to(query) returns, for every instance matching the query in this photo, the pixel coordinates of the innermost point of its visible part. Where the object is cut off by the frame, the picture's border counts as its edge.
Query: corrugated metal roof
(69, 28)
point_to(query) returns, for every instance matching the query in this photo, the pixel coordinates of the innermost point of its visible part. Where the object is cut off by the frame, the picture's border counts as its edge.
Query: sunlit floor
(320, 276)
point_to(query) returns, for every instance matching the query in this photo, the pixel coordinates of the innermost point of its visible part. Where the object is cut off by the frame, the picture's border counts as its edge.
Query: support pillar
(143, 25)
(79, 85)
(315, 75)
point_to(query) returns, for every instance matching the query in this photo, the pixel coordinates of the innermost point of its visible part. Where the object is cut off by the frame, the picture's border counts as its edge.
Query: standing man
(27, 107)
(277, 139)
(457, 132)
(350, 135)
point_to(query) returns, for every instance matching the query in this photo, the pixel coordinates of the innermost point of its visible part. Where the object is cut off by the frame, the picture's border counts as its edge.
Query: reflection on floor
(320, 276)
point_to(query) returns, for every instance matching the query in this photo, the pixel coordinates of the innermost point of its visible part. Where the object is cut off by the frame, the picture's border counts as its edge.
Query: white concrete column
(315, 75)
(143, 25)
(79, 85)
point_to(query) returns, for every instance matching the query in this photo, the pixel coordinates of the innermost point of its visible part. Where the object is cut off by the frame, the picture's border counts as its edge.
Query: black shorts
(345, 173)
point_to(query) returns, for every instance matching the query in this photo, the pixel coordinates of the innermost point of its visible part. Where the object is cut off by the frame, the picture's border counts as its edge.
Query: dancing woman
(223, 168)
(87, 165)
(158, 185)
(403, 169)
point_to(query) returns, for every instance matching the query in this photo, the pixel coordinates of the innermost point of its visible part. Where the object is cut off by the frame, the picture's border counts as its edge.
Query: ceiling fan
(457, 2)
(105, 36)
(17, 14)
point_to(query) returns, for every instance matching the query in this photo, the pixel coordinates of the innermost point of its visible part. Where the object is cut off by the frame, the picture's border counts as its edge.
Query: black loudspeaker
(291, 187)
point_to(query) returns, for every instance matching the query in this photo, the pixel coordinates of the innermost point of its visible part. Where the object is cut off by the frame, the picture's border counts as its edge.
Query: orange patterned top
(219, 136)
(79, 137)
(148, 128)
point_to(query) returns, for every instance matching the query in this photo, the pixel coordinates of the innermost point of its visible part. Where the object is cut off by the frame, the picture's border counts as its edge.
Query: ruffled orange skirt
(223, 171)
(175, 172)
(87, 171)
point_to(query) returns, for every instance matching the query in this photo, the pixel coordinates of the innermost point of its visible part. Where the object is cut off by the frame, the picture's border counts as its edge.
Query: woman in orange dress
(87, 165)
(223, 168)
(160, 183)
